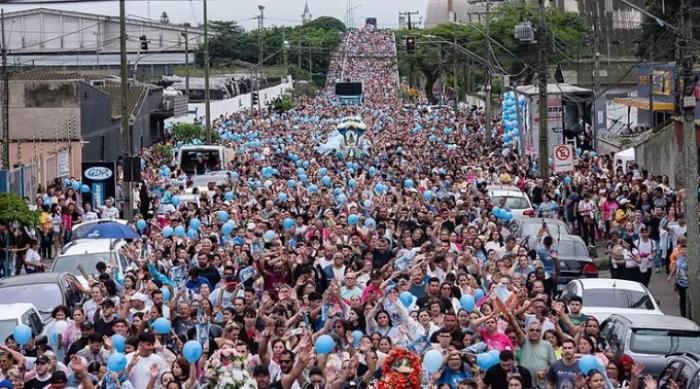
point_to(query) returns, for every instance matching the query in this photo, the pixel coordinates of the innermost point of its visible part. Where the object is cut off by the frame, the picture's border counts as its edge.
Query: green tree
(227, 42)
(327, 23)
(14, 209)
(186, 132)
(657, 43)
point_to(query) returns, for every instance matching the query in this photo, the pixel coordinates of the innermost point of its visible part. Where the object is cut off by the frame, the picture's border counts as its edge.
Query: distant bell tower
(306, 16)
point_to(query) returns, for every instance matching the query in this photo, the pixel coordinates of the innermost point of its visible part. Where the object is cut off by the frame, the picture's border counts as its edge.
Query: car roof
(538, 220)
(82, 246)
(35, 278)
(665, 322)
(609, 283)
(574, 238)
(503, 187)
(10, 311)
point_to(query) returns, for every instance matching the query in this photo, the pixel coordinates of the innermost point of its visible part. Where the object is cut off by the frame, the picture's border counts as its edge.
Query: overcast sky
(277, 12)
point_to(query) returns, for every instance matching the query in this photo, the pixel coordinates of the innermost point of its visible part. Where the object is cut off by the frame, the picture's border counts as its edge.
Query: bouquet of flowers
(225, 369)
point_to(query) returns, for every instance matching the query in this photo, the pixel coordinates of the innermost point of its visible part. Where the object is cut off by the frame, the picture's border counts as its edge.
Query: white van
(214, 158)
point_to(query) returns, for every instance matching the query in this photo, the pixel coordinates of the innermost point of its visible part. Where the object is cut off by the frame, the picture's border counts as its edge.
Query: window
(669, 373)
(70, 263)
(662, 342)
(614, 334)
(512, 202)
(617, 298)
(571, 248)
(45, 297)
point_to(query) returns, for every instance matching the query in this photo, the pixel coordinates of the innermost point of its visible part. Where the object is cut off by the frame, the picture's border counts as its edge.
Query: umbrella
(106, 229)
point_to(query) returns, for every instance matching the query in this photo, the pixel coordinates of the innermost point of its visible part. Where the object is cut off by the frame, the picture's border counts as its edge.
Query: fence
(21, 181)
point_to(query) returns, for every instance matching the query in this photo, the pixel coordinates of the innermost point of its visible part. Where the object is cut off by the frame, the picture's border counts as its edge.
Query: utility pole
(487, 122)
(454, 67)
(687, 110)
(285, 59)
(187, 63)
(207, 92)
(5, 99)
(596, 75)
(542, 88)
(261, 53)
(128, 209)
(408, 14)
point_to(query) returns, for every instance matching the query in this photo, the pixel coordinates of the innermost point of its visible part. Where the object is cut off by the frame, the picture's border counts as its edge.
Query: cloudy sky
(277, 12)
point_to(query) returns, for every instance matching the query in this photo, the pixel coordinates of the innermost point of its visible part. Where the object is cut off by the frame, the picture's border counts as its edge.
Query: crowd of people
(310, 271)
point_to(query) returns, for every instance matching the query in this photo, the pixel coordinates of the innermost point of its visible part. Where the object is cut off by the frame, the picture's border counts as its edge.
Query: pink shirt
(498, 341)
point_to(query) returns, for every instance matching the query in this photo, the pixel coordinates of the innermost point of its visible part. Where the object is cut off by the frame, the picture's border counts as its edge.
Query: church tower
(306, 16)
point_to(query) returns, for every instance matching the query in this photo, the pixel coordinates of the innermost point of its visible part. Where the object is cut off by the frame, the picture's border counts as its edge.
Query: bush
(283, 103)
(163, 152)
(186, 132)
(14, 209)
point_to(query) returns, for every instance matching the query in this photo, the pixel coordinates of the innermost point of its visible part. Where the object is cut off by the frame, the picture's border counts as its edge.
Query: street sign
(563, 158)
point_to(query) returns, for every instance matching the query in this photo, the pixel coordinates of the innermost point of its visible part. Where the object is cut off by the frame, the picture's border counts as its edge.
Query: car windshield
(617, 298)
(6, 327)
(571, 248)
(511, 202)
(662, 342)
(45, 297)
(204, 180)
(531, 230)
(210, 158)
(70, 263)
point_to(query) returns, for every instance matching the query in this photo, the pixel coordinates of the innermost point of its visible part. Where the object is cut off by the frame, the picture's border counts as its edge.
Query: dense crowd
(309, 271)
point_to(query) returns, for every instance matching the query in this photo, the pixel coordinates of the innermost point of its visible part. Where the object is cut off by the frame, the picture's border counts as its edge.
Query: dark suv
(682, 369)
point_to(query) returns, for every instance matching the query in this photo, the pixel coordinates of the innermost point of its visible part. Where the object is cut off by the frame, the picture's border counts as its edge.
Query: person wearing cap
(225, 293)
(136, 304)
(105, 317)
(86, 329)
(42, 373)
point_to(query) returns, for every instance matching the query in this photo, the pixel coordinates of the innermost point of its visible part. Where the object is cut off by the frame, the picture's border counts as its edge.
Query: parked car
(511, 197)
(44, 290)
(682, 369)
(647, 339)
(87, 253)
(20, 313)
(604, 296)
(574, 260)
(525, 229)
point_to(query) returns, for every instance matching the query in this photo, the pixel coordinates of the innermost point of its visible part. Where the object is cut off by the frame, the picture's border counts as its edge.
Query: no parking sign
(563, 158)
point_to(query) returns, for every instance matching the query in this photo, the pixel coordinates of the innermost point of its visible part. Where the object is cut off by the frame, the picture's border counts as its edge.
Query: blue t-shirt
(453, 378)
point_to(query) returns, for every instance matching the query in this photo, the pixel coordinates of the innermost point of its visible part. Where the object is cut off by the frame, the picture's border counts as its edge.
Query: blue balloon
(75, 185)
(227, 228)
(352, 183)
(180, 231)
(192, 351)
(141, 224)
(282, 197)
(372, 171)
(428, 195)
(84, 188)
(578, 151)
(175, 200)
(119, 343)
(192, 234)
(291, 184)
(370, 223)
(592, 154)
(352, 219)
(168, 232)
(313, 188)
(379, 188)
(478, 294)
(588, 363)
(486, 360)
(66, 182)
(166, 293)
(406, 298)
(22, 334)
(357, 337)
(432, 361)
(269, 235)
(195, 224)
(324, 344)
(326, 181)
(223, 216)
(322, 172)
(467, 302)
(507, 216)
(161, 326)
(228, 196)
(408, 183)
(288, 223)
(116, 362)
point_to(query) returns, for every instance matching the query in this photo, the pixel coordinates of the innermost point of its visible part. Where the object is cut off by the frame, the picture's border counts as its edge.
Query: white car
(19, 313)
(603, 297)
(515, 199)
(87, 253)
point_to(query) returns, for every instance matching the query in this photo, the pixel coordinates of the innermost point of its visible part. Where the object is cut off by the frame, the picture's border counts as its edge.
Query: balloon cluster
(509, 118)
(502, 214)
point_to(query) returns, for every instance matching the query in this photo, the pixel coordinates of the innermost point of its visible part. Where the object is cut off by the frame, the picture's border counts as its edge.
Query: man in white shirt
(109, 211)
(139, 362)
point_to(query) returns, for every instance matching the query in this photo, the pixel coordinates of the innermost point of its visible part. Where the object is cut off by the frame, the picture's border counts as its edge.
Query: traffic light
(255, 98)
(144, 42)
(410, 44)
